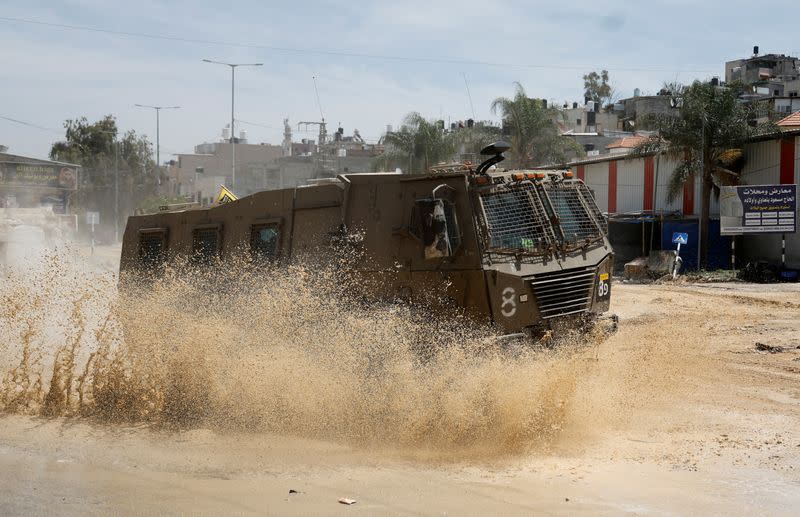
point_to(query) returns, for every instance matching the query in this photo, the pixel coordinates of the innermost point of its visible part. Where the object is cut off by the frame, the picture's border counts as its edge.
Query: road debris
(772, 349)
(347, 500)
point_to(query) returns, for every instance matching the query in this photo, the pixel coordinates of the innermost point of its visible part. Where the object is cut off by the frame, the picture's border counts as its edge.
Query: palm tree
(418, 145)
(705, 138)
(532, 129)
(470, 140)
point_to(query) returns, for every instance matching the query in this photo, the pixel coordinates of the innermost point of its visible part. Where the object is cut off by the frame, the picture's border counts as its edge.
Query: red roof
(792, 120)
(628, 142)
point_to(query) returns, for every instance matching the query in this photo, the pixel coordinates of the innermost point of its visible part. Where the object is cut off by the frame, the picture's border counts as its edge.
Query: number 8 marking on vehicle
(509, 305)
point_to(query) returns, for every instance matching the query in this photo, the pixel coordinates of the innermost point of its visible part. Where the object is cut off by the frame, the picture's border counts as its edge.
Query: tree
(418, 144)
(596, 87)
(100, 151)
(531, 127)
(94, 147)
(705, 139)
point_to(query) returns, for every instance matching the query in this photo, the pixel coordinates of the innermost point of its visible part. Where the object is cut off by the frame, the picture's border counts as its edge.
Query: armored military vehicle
(520, 249)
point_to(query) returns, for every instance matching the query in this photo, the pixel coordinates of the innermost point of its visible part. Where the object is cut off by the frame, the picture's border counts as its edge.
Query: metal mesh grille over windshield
(571, 209)
(593, 208)
(515, 219)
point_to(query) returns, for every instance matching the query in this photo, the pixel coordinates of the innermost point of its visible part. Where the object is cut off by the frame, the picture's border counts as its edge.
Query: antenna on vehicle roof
(496, 149)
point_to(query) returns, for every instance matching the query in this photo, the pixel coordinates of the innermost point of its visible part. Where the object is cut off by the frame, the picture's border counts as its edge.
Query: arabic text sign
(34, 175)
(758, 209)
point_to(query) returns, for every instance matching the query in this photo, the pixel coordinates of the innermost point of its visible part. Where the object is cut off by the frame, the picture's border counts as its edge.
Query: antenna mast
(469, 95)
(323, 133)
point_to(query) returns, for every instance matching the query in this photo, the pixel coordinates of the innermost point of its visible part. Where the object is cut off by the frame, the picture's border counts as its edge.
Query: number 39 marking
(602, 289)
(509, 306)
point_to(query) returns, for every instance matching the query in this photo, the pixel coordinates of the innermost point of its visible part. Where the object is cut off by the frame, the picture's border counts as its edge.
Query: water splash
(281, 350)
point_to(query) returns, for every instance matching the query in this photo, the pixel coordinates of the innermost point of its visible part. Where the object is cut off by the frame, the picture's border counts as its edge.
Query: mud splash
(283, 351)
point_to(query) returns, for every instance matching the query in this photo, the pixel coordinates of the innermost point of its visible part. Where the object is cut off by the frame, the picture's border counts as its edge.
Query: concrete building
(635, 110)
(783, 106)
(587, 119)
(344, 153)
(259, 167)
(762, 70)
(199, 175)
(636, 190)
(592, 128)
(772, 82)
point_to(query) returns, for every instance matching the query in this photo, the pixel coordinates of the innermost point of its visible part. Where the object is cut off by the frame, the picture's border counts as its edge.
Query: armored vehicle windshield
(542, 217)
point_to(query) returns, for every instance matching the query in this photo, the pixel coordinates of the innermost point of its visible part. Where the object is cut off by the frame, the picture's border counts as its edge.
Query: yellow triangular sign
(225, 196)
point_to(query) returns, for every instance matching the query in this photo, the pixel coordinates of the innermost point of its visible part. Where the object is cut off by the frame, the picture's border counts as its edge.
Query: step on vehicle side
(520, 249)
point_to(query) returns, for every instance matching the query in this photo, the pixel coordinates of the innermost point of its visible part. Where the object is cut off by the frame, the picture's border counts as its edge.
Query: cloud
(52, 74)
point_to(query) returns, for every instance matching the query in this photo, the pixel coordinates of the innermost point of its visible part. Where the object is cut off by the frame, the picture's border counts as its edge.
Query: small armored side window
(152, 249)
(264, 241)
(434, 222)
(205, 245)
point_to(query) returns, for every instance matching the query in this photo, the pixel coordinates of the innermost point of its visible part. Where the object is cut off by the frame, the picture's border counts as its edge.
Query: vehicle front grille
(563, 292)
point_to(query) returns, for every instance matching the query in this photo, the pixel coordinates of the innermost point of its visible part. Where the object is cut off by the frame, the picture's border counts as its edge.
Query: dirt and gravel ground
(678, 413)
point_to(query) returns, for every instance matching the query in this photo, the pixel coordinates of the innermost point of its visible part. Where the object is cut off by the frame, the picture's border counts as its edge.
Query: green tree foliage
(419, 144)
(532, 130)
(101, 151)
(706, 139)
(470, 140)
(597, 88)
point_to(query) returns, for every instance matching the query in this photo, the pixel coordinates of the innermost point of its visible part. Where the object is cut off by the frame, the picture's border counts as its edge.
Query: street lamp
(233, 133)
(158, 131)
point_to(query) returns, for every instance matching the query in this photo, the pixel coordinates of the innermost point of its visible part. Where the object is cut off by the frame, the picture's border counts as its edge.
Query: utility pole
(158, 131)
(233, 131)
(116, 185)
(116, 191)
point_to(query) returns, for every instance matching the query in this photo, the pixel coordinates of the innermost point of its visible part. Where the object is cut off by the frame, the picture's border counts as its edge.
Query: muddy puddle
(281, 351)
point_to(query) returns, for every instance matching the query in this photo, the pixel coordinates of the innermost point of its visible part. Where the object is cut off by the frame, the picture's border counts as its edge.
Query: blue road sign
(680, 238)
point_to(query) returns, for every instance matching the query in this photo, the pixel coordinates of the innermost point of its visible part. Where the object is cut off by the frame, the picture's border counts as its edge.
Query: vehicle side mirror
(431, 227)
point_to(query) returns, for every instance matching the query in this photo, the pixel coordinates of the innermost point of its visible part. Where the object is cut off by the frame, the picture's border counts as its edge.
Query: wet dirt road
(676, 414)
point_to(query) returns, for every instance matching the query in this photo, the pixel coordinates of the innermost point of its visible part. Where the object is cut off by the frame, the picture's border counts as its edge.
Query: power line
(30, 124)
(258, 124)
(337, 53)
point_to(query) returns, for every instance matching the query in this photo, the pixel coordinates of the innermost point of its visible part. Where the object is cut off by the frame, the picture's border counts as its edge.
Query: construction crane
(323, 132)
(322, 165)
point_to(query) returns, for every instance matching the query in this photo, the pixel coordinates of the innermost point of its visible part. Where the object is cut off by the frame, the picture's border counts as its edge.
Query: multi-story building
(772, 83)
(588, 118)
(199, 175)
(770, 71)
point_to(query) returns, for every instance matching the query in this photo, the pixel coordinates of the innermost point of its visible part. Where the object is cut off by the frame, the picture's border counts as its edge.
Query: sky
(374, 62)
